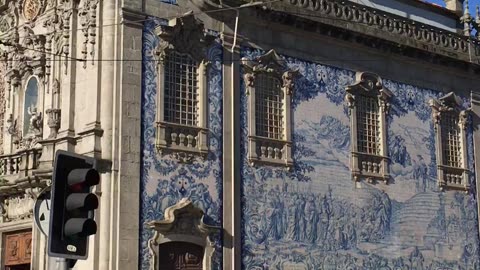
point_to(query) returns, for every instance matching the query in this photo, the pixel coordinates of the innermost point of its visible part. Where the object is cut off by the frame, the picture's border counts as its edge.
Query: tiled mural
(316, 217)
(164, 180)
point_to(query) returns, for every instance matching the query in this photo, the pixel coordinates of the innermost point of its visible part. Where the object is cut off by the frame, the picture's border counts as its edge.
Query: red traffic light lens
(81, 178)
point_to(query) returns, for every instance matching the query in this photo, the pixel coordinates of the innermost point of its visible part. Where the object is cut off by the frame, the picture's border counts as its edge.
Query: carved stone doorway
(180, 256)
(18, 250)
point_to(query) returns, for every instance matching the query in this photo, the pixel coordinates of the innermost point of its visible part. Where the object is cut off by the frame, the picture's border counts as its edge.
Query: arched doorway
(180, 256)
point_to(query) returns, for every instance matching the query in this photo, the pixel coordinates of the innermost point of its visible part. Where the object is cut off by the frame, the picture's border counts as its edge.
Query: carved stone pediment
(185, 34)
(270, 62)
(369, 84)
(448, 103)
(183, 222)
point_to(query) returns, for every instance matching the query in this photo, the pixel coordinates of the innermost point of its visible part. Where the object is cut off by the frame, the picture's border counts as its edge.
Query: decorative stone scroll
(9, 18)
(88, 21)
(186, 38)
(271, 150)
(366, 164)
(451, 121)
(183, 222)
(20, 206)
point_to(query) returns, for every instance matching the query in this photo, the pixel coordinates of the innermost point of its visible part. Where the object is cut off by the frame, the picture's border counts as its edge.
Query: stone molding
(387, 26)
(88, 21)
(377, 37)
(20, 206)
(185, 36)
(183, 222)
(364, 165)
(262, 149)
(451, 177)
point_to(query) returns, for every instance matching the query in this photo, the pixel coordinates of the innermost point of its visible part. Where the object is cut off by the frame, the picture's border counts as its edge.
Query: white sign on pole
(41, 211)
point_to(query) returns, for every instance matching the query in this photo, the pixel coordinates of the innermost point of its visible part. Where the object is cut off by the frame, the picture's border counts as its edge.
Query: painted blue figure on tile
(332, 223)
(165, 181)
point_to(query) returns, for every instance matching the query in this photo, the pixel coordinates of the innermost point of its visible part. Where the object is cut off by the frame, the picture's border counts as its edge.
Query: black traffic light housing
(71, 213)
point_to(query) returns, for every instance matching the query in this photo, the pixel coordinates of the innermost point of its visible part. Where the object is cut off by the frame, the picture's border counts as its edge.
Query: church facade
(247, 135)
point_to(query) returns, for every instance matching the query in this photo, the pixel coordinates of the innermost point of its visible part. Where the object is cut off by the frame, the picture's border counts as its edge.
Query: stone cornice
(366, 26)
(372, 38)
(381, 25)
(133, 17)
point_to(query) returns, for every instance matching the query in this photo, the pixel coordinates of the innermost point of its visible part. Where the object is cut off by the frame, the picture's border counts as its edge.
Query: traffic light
(71, 213)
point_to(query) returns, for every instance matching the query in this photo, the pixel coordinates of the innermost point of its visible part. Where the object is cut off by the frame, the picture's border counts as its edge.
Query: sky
(471, 3)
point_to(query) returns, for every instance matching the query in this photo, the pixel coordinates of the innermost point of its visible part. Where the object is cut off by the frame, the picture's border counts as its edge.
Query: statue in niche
(36, 121)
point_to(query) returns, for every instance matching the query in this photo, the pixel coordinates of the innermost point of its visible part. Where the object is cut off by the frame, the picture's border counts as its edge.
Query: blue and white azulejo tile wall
(316, 217)
(164, 181)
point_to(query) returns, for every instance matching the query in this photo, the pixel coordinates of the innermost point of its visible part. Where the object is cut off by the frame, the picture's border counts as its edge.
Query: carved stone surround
(183, 222)
(184, 35)
(451, 177)
(366, 165)
(18, 206)
(262, 149)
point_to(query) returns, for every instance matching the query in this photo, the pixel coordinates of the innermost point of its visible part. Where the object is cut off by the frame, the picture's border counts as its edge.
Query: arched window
(30, 104)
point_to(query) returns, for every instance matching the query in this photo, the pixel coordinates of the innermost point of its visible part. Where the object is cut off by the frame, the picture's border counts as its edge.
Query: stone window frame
(364, 165)
(447, 176)
(186, 36)
(183, 222)
(263, 150)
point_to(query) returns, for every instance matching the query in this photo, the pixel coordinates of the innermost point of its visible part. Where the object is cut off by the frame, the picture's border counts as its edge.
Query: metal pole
(58, 264)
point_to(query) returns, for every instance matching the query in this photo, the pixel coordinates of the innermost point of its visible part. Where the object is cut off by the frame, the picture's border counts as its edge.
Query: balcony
(20, 171)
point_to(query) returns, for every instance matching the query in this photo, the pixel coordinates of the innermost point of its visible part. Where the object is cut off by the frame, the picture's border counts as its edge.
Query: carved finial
(467, 20)
(477, 21)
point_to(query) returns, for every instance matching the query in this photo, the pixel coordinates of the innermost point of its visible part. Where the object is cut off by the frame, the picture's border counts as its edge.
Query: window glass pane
(451, 140)
(181, 89)
(368, 125)
(30, 105)
(268, 107)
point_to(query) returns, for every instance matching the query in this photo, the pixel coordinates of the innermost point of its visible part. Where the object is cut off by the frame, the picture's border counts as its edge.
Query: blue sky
(472, 4)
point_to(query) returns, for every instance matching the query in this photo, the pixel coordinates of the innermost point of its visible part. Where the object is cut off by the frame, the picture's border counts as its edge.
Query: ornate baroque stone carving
(183, 222)
(53, 44)
(31, 9)
(364, 164)
(183, 36)
(88, 21)
(9, 18)
(54, 117)
(2, 105)
(446, 112)
(19, 206)
(263, 149)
